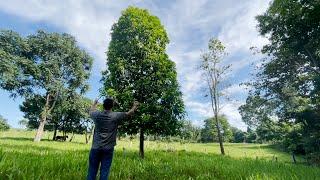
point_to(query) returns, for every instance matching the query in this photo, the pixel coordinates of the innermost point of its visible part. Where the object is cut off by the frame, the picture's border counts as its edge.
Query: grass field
(20, 158)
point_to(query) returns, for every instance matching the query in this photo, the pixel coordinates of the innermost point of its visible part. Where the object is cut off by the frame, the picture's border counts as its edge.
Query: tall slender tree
(215, 74)
(139, 69)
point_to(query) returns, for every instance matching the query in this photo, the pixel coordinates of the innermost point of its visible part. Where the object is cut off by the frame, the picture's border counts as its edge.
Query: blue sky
(189, 24)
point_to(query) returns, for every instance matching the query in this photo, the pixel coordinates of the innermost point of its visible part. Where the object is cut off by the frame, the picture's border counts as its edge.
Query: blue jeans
(97, 157)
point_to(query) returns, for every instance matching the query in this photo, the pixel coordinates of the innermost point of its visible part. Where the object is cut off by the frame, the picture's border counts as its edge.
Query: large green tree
(209, 131)
(42, 65)
(189, 131)
(288, 84)
(139, 69)
(238, 135)
(70, 114)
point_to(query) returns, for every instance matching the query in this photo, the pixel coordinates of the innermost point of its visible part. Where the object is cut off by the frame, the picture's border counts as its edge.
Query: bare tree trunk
(219, 136)
(90, 134)
(141, 147)
(44, 114)
(218, 123)
(294, 158)
(71, 137)
(86, 135)
(43, 121)
(215, 106)
(39, 133)
(55, 132)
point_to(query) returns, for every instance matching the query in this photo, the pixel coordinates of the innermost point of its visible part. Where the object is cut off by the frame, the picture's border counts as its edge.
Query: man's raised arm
(94, 106)
(133, 109)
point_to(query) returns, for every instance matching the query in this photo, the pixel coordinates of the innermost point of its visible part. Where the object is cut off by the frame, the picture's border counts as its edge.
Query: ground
(21, 158)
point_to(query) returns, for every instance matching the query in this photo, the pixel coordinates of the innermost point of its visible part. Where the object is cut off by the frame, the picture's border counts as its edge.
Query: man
(104, 138)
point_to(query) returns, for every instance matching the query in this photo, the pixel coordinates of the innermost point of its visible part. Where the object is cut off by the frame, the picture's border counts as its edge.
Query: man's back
(104, 138)
(105, 131)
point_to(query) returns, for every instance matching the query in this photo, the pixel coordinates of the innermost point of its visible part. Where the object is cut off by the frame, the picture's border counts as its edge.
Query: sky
(190, 24)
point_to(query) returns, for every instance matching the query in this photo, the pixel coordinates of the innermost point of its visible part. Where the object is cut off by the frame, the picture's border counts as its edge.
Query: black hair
(107, 103)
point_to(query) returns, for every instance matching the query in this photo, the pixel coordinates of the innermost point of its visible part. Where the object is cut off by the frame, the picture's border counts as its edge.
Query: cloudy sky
(190, 24)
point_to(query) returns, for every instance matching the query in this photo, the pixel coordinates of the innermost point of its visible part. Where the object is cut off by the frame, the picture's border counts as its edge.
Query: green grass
(20, 158)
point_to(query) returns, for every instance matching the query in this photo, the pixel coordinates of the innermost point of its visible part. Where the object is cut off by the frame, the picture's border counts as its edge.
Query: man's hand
(96, 101)
(94, 105)
(136, 104)
(133, 109)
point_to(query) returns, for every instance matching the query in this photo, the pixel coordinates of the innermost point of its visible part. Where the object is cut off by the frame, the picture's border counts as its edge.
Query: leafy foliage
(209, 132)
(189, 131)
(69, 115)
(288, 82)
(4, 124)
(42, 65)
(139, 69)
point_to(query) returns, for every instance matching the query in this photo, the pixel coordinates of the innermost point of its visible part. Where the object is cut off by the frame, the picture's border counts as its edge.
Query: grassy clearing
(20, 158)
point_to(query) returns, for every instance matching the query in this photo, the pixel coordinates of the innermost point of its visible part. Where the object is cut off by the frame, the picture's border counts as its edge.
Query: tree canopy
(4, 124)
(139, 69)
(209, 131)
(288, 84)
(43, 65)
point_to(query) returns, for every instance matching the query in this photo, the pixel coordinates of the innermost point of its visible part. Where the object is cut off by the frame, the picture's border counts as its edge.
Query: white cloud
(189, 24)
(229, 109)
(236, 89)
(89, 21)
(239, 33)
(233, 115)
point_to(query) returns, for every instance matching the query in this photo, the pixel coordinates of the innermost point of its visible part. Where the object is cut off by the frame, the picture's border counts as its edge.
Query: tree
(75, 116)
(215, 73)
(189, 131)
(209, 132)
(70, 114)
(238, 135)
(41, 66)
(257, 110)
(251, 136)
(139, 69)
(289, 77)
(4, 124)
(23, 123)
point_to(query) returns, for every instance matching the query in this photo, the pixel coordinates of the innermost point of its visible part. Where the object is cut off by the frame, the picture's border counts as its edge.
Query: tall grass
(20, 158)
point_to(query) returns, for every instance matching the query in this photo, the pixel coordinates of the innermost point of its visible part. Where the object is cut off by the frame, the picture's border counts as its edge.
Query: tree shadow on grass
(31, 139)
(261, 146)
(21, 139)
(37, 150)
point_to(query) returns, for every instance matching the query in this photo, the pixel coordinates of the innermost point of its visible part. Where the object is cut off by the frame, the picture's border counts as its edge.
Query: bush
(3, 124)
(314, 158)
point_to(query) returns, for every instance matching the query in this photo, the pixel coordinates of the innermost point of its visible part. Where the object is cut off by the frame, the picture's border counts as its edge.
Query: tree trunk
(71, 137)
(294, 158)
(43, 120)
(216, 111)
(141, 148)
(86, 135)
(55, 132)
(219, 136)
(39, 133)
(90, 136)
